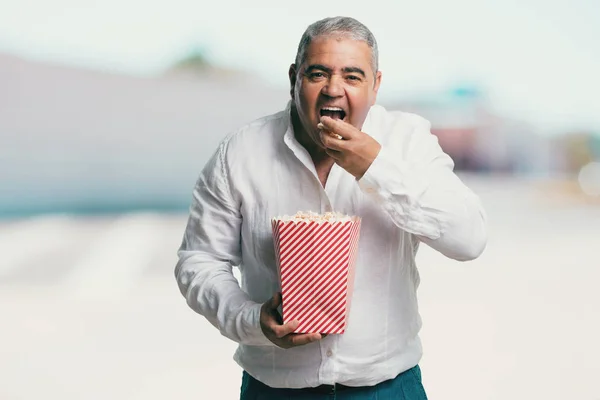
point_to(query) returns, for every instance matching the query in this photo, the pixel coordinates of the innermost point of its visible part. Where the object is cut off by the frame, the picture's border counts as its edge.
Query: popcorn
(314, 217)
(315, 256)
(332, 134)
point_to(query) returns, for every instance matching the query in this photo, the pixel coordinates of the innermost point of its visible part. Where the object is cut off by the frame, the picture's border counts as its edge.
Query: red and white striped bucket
(316, 270)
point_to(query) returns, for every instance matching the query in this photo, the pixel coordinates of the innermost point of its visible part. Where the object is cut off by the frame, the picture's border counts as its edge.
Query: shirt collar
(299, 151)
(292, 143)
(290, 138)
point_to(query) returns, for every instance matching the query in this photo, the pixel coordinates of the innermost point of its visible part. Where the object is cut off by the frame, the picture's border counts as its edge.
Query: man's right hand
(282, 334)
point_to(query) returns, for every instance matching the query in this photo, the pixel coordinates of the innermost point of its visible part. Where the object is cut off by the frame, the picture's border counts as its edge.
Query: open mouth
(333, 112)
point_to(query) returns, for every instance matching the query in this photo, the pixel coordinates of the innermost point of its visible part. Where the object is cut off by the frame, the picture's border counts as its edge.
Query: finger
(328, 132)
(331, 142)
(274, 314)
(336, 155)
(274, 301)
(302, 339)
(278, 299)
(336, 136)
(278, 317)
(344, 129)
(285, 329)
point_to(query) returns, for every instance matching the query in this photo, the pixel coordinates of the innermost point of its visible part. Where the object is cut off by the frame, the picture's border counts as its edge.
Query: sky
(536, 60)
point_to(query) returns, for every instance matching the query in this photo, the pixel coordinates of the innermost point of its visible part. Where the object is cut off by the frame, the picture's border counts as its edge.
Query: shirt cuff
(373, 182)
(254, 333)
(390, 182)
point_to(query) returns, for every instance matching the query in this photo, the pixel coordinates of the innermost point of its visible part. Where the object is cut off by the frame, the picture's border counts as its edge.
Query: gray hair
(345, 26)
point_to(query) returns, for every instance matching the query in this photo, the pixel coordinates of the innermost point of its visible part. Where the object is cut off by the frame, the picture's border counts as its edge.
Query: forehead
(339, 52)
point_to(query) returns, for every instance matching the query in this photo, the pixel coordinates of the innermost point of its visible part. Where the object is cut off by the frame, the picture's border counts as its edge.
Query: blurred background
(109, 110)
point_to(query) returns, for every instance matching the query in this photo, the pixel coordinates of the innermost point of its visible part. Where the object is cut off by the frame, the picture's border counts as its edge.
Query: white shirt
(408, 195)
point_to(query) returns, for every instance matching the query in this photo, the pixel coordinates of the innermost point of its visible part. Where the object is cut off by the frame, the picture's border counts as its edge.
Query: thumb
(275, 301)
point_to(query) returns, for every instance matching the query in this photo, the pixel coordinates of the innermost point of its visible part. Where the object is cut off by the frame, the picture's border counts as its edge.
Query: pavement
(90, 309)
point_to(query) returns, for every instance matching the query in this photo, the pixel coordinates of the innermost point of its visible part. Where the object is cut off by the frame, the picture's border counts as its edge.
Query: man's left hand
(354, 152)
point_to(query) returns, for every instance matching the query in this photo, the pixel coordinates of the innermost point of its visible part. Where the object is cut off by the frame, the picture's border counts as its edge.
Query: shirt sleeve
(413, 180)
(210, 248)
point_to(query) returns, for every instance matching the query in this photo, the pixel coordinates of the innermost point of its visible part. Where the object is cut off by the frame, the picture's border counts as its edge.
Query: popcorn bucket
(315, 256)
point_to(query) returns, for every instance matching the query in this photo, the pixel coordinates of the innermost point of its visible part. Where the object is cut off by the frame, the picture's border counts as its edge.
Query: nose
(333, 88)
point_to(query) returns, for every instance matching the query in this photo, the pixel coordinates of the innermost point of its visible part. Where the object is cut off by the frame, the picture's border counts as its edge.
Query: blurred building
(75, 140)
(476, 137)
(87, 141)
(577, 149)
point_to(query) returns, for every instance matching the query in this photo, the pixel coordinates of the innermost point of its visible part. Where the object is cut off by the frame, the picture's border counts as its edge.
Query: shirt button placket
(326, 204)
(326, 372)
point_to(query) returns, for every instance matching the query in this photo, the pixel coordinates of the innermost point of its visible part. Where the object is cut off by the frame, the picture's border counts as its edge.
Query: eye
(316, 75)
(353, 77)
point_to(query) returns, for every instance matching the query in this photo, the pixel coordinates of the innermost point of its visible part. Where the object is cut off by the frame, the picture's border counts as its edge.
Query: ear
(292, 75)
(376, 85)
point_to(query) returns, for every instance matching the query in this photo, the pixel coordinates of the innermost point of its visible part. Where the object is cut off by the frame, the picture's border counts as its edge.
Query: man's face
(337, 80)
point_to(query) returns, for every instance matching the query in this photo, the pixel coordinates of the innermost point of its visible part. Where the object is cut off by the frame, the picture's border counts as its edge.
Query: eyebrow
(355, 70)
(346, 70)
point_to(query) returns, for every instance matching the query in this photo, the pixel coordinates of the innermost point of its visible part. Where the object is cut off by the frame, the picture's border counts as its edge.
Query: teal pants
(406, 386)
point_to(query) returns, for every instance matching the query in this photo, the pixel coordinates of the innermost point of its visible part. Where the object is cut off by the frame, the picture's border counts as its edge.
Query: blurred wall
(84, 141)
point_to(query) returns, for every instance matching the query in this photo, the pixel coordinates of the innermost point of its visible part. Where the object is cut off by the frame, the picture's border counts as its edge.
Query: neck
(317, 153)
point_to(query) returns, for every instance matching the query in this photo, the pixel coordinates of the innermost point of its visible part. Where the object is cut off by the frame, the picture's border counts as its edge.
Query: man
(332, 148)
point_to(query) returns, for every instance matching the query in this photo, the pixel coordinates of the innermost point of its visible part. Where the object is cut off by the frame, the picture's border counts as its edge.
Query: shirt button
(329, 353)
